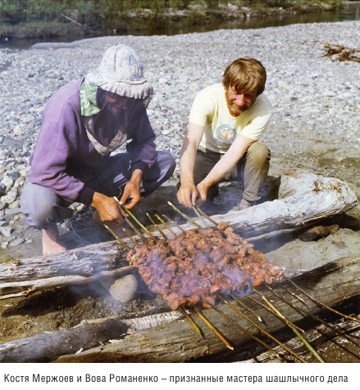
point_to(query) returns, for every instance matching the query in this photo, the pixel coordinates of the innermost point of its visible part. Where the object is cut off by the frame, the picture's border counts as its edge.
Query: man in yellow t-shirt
(226, 121)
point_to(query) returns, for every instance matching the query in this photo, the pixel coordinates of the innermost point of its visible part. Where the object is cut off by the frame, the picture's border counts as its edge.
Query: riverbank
(316, 124)
(196, 17)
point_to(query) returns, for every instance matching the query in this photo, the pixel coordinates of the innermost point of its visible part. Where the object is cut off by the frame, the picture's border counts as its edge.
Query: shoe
(244, 204)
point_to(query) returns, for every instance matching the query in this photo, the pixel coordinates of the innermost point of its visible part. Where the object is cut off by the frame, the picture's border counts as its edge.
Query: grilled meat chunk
(192, 268)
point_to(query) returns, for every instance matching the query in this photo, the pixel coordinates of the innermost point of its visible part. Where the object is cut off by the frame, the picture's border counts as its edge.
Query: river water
(349, 11)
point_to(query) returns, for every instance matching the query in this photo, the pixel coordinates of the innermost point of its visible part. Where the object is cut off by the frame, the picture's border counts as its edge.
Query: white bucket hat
(121, 72)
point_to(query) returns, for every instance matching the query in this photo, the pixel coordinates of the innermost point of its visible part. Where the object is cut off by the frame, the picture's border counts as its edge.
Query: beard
(234, 108)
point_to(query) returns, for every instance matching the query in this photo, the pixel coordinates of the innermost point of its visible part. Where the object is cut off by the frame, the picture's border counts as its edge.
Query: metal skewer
(293, 327)
(296, 296)
(139, 223)
(136, 230)
(117, 238)
(353, 328)
(192, 322)
(264, 331)
(176, 224)
(206, 216)
(339, 332)
(166, 225)
(314, 317)
(212, 327)
(247, 308)
(133, 227)
(319, 302)
(129, 236)
(184, 215)
(245, 331)
(157, 227)
(200, 216)
(272, 309)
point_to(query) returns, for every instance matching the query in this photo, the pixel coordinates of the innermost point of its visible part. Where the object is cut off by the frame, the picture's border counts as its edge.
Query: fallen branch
(74, 21)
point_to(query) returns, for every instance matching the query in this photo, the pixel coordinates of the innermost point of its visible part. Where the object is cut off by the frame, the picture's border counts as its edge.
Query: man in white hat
(82, 124)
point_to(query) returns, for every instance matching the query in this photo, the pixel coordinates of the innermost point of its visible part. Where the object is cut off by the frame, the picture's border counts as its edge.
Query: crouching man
(82, 124)
(226, 121)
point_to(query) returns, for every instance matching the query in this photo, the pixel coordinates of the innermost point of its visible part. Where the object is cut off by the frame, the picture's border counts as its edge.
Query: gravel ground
(316, 124)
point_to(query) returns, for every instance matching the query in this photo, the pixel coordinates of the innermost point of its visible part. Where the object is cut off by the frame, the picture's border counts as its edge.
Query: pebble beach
(316, 98)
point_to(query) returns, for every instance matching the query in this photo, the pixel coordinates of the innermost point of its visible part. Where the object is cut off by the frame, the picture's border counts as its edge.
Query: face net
(118, 116)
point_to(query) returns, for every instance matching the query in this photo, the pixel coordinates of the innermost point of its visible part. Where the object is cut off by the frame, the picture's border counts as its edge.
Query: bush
(94, 12)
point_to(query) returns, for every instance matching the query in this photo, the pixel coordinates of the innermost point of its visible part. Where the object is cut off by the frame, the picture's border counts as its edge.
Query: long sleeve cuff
(139, 165)
(85, 196)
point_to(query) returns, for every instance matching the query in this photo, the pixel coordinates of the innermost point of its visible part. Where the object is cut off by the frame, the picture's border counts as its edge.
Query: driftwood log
(177, 341)
(304, 199)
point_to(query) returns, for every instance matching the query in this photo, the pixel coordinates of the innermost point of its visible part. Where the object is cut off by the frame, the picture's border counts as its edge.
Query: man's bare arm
(228, 162)
(109, 210)
(188, 193)
(132, 190)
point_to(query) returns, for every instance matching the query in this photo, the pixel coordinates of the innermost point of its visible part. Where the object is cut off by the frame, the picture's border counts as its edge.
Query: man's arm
(188, 193)
(228, 162)
(132, 189)
(109, 209)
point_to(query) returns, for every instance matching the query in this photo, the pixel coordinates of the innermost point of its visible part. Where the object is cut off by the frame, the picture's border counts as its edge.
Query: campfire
(212, 279)
(205, 266)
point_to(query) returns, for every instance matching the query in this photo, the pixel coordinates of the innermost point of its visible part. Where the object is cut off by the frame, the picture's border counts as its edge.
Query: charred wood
(332, 284)
(177, 341)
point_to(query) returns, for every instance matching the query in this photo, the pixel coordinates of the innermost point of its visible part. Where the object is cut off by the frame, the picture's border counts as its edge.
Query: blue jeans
(41, 206)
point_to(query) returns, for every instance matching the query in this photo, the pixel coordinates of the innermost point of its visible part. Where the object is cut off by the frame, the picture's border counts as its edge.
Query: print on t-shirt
(226, 133)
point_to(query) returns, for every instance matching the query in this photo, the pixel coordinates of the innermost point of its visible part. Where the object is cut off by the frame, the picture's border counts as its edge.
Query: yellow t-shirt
(221, 128)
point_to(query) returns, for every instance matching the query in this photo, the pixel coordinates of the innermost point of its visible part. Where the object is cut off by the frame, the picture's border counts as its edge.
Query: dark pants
(252, 169)
(41, 207)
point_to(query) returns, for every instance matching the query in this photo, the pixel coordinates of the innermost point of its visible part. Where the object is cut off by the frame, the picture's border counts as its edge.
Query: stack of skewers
(204, 266)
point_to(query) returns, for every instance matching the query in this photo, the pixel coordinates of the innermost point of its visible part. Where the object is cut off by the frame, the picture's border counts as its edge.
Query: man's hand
(132, 190)
(202, 188)
(108, 208)
(187, 195)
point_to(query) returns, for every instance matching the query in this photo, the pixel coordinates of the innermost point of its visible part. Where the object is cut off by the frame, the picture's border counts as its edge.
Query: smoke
(200, 265)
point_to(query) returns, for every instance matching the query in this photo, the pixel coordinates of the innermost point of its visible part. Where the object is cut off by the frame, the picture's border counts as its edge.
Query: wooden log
(177, 341)
(86, 261)
(306, 198)
(22, 277)
(26, 288)
(48, 346)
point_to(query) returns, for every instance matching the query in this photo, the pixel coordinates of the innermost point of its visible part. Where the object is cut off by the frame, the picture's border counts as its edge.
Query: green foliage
(92, 12)
(290, 3)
